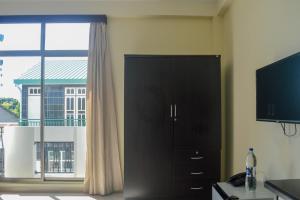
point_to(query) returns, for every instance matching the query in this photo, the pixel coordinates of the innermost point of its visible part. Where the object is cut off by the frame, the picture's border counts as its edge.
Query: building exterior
(6, 119)
(65, 113)
(65, 94)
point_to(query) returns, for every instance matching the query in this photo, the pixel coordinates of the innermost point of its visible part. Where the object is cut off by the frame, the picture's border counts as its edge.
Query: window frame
(78, 113)
(33, 89)
(43, 53)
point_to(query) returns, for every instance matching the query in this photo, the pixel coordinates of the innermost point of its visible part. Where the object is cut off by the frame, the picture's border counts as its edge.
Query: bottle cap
(250, 149)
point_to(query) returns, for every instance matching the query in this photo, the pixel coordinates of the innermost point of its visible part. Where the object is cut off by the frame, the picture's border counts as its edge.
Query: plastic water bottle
(250, 182)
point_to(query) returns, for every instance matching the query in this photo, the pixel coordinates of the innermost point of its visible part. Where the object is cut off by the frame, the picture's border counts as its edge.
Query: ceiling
(200, 1)
(205, 8)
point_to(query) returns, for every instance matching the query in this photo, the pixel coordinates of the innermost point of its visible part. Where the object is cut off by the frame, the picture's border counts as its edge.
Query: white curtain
(103, 168)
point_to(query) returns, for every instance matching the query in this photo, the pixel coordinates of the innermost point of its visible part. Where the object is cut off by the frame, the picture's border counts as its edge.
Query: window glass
(20, 36)
(71, 36)
(65, 79)
(64, 101)
(20, 117)
(79, 103)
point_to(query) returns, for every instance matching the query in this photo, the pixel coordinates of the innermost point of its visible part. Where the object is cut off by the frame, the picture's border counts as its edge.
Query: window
(63, 33)
(34, 91)
(21, 121)
(75, 101)
(13, 40)
(46, 98)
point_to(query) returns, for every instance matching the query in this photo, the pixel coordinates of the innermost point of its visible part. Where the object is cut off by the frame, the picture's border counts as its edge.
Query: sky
(27, 37)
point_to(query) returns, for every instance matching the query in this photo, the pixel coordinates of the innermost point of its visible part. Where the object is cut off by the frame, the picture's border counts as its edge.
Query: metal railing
(1, 152)
(53, 122)
(59, 157)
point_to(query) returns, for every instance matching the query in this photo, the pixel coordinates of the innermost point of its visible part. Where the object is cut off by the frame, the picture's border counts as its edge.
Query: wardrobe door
(148, 134)
(196, 89)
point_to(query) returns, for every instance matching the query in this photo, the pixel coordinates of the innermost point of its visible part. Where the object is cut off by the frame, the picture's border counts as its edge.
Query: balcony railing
(1, 152)
(59, 157)
(53, 122)
(63, 151)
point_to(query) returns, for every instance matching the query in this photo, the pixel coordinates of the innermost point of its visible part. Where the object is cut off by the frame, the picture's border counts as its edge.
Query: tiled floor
(47, 196)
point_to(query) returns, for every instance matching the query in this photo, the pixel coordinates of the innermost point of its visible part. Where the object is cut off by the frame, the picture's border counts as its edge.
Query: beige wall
(251, 34)
(218, 42)
(142, 28)
(228, 90)
(262, 32)
(156, 35)
(116, 8)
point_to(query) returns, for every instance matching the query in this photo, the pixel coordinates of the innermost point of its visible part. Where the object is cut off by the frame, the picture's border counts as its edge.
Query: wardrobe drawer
(201, 189)
(194, 156)
(195, 172)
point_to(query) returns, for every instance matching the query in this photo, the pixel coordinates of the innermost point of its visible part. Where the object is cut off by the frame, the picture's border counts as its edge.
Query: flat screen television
(278, 91)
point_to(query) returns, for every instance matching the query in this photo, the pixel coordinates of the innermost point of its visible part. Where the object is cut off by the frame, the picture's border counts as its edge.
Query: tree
(11, 105)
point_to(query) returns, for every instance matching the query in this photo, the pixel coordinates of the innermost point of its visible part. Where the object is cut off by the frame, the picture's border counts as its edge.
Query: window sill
(39, 186)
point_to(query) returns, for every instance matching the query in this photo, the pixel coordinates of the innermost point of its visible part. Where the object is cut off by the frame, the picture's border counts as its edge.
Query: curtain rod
(52, 19)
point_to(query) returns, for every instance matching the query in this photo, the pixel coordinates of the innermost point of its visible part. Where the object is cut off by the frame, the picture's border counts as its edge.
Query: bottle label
(249, 171)
(250, 181)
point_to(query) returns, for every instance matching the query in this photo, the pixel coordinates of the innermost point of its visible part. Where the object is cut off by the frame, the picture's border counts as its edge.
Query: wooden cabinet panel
(172, 126)
(195, 172)
(196, 93)
(200, 190)
(148, 152)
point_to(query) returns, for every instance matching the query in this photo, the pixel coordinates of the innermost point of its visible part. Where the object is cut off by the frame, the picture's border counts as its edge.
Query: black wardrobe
(172, 126)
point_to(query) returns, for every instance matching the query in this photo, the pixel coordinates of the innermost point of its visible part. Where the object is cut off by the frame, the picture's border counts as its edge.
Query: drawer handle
(197, 173)
(197, 158)
(196, 188)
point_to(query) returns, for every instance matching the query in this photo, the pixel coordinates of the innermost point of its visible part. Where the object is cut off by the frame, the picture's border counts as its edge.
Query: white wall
(262, 32)
(80, 152)
(20, 150)
(34, 107)
(19, 154)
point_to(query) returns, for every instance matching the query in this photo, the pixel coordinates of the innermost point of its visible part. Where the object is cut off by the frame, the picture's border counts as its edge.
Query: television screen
(278, 91)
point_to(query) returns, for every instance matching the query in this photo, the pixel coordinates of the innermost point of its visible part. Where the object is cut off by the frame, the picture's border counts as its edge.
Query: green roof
(57, 72)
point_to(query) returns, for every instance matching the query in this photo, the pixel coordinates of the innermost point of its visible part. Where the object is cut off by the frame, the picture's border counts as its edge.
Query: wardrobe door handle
(171, 110)
(175, 115)
(196, 188)
(175, 112)
(197, 173)
(197, 158)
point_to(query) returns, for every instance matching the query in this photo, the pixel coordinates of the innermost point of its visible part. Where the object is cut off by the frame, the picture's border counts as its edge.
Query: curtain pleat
(103, 168)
